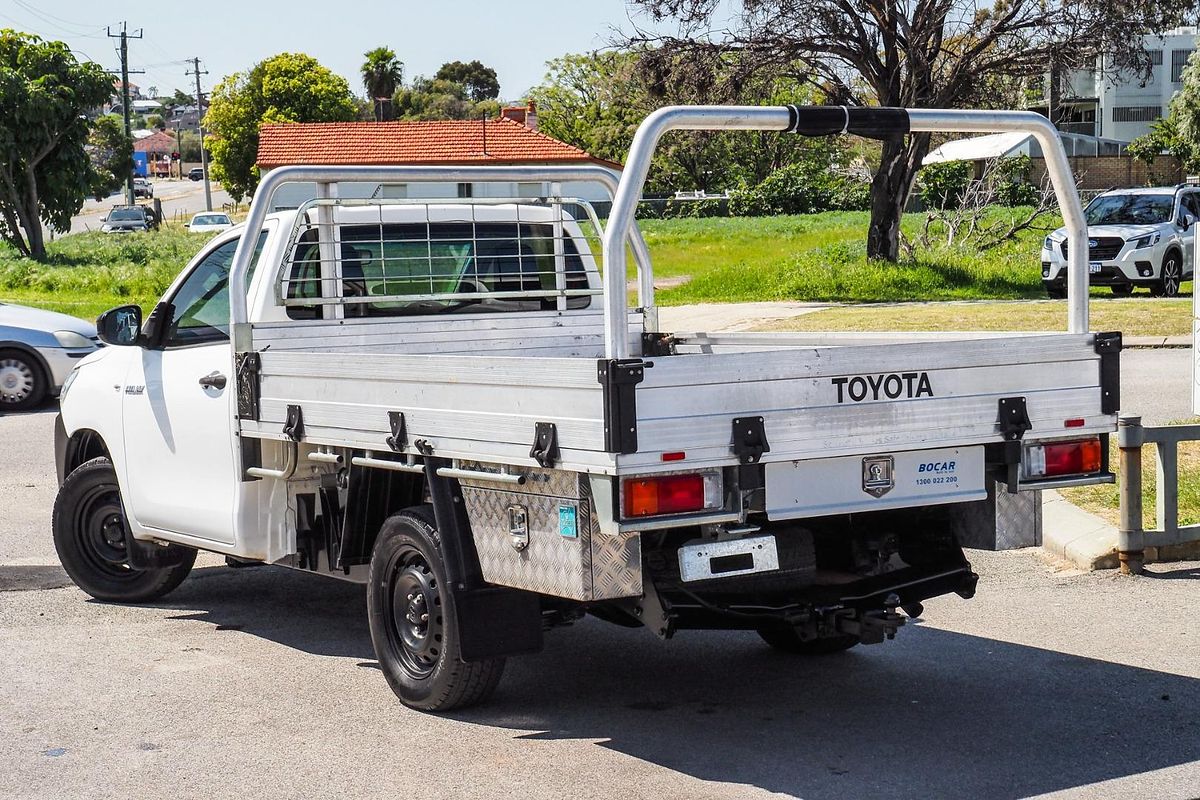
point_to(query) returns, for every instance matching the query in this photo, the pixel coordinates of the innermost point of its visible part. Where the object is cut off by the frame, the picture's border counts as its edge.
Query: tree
(434, 98)
(479, 81)
(45, 172)
(111, 154)
(913, 54)
(382, 74)
(289, 87)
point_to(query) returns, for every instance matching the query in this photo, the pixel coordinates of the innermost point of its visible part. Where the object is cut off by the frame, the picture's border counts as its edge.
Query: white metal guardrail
(1132, 538)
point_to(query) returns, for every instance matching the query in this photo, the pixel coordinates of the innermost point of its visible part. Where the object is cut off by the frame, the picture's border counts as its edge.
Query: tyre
(1171, 276)
(23, 384)
(412, 620)
(1122, 290)
(1055, 293)
(89, 535)
(785, 639)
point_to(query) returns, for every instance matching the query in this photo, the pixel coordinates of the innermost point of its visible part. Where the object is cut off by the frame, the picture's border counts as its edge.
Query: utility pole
(200, 124)
(124, 36)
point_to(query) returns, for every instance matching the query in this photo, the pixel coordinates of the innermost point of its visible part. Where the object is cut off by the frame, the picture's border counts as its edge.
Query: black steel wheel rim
(1171, 276)
(99, 527)
(413, 613)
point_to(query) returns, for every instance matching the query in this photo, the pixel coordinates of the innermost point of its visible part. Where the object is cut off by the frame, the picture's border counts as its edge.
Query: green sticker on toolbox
(566, 522)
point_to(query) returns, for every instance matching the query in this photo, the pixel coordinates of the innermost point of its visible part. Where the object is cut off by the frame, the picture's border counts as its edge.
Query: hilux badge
(878, 475)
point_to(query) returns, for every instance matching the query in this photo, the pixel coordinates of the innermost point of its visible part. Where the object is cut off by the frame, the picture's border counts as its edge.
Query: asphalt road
(261, 683)
(180, 200)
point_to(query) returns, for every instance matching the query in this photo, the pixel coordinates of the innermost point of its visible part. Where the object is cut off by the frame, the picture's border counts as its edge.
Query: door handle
(213, 380)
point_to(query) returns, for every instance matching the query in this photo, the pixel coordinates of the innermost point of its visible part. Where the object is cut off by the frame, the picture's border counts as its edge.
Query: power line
(89, 31)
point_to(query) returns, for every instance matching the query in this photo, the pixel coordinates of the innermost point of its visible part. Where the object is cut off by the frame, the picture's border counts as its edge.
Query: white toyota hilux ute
(451, 402)
(1136, 237)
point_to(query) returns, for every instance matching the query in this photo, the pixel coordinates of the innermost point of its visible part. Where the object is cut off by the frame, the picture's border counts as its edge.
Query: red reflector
(1075, 423)
(674, 456)
(1072, 458)
(666, 494)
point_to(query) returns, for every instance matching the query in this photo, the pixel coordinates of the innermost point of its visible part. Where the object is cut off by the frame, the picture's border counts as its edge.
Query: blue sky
(514, 37)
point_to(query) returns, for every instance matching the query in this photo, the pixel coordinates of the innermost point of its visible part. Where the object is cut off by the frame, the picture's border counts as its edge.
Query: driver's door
(178, 407)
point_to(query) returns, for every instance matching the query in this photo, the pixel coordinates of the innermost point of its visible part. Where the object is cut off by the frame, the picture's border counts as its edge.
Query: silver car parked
(38, 350)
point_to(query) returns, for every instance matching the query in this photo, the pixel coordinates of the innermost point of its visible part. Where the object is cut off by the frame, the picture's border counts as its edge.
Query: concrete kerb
(1071, 534)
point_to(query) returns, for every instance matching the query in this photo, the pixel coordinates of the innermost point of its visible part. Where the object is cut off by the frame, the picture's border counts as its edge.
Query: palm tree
(382, 73)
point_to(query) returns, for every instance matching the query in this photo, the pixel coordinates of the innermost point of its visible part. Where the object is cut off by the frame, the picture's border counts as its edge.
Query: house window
(1179, 59)
(1156, 58)
(392, 190)
(529, 190)
(466, 190)
(1136, 113)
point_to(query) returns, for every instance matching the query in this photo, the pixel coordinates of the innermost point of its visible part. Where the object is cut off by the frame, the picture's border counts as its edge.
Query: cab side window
(1191, 204)
(200, 313)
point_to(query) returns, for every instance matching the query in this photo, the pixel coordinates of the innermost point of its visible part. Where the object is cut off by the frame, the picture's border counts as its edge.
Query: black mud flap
(149, 555)
(494, 621)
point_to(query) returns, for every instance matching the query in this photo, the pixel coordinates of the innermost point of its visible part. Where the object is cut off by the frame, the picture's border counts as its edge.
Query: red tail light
(1053, 459)
(656, 495)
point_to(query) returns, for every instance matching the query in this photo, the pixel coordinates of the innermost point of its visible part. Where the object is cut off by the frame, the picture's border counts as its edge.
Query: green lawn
(812, 257)
(90, 272)
(823, 257)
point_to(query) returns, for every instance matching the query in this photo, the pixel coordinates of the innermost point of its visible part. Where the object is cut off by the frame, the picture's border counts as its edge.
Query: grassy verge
(90, 272)
(1134, 316)
(822, 257)
(1103, 500)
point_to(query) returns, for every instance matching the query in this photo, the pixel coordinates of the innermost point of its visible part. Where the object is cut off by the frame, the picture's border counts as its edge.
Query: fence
(1107, 172)
(1132, 539)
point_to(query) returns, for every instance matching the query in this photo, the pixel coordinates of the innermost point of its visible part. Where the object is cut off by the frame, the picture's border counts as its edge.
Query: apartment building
(1110, 104)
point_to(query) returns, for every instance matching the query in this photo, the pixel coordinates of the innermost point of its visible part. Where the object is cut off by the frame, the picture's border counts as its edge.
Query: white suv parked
(1136, 237)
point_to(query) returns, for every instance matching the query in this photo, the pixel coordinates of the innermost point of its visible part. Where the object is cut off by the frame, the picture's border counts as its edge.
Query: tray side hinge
(398, 439)
(1013, 418)
(749, 439)
(545, 444)
(1108, 346)
(293, 425)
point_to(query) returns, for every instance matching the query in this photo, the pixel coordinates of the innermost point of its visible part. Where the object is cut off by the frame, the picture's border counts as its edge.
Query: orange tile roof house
(500, 141)
(511, 139)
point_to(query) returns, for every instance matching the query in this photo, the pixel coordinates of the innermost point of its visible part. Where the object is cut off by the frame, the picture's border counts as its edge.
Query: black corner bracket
(620, 377)
(1108, 346)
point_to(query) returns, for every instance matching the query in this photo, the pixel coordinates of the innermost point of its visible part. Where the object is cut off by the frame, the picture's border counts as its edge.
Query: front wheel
(1171, 277)
(1055, 293)
(1122, 290)
(90, 536)
(785, 639)
(412, 618)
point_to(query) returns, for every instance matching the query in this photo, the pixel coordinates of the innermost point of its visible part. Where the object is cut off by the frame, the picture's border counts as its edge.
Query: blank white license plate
(1094, 267)
(820, 486)
(707, 560)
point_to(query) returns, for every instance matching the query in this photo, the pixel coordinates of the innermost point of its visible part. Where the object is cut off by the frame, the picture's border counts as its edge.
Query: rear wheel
(1055, 293)
(785, 639)
(1171, 276)
(23, 385)
(90, 536)
(412, 619)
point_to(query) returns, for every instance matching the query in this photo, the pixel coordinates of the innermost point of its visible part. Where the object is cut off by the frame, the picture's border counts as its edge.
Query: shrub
(942, 185)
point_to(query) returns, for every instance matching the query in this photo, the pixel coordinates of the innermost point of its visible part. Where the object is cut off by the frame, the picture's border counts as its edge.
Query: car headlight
(73, 340)
(1149, 240)
(1049, 242)
(62, 393)
(105, 228)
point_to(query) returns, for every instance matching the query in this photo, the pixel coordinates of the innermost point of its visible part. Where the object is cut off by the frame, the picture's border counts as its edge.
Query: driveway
(262, 683)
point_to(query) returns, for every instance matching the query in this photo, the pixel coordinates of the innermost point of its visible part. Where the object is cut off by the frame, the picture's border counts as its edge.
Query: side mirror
(120, 326)
(1186, 220)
